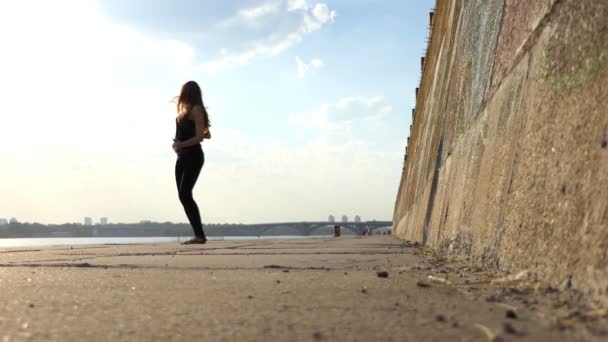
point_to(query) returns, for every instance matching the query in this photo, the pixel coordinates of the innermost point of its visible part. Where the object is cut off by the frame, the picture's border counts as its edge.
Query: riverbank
(80, 241)
(296, 290)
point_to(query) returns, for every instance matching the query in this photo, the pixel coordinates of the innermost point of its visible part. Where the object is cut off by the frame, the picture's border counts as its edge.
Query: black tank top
(184, 130)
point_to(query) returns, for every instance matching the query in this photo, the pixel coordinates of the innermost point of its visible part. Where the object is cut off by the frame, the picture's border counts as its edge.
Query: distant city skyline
(90, 221)
(310, 104)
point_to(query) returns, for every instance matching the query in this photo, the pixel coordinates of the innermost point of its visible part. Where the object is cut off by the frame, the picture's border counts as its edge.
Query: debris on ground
(439, 280)
(492, 337)
(511, 314)
(421, 283)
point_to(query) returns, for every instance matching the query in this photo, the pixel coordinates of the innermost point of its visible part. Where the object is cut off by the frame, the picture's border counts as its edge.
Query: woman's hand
(177, 145)
(207, 134)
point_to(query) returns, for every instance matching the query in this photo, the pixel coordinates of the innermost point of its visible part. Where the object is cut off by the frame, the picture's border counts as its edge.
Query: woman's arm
(201, 130)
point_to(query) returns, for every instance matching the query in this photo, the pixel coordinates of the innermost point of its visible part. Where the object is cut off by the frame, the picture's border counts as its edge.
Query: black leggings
(187, 169)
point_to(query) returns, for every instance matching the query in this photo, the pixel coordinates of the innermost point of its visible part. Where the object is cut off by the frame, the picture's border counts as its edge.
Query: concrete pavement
(296, 290)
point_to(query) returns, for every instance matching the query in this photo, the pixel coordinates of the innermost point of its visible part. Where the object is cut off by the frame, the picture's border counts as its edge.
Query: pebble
(382, 274)
(511, 314)
(440, 318)
(317, 335)
(422, 284)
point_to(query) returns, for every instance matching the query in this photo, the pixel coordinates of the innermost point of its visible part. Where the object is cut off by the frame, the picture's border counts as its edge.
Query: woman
(191, 128)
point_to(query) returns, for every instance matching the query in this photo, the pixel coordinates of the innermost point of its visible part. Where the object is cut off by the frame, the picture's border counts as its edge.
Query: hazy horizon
(310, 104)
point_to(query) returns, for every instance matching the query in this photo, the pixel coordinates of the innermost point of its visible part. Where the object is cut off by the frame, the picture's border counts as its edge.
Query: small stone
(440, 318)
(317, 335)
(31, 305)
(363, 290)
(382, 274)
(278, 281)
(250, 297)
(285, 271)
(511, 314)
(604, 141)
(421, 283)
(455, 325)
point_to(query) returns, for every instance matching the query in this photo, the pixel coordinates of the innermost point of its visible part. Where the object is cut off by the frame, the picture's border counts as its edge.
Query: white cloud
(275, 43)
(323, 14)
(259, 11)
(302, 67)
(317, 63)
(251, 16)
(297, 5)
(337, 118)
(375, 100)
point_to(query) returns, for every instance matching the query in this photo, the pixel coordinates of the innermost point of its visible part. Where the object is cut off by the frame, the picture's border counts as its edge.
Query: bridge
(261, 229)
(298, 228)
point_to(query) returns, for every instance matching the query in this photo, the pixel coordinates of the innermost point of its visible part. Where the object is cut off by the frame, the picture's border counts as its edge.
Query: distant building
(344, 219)
(13, 220)
(357, 219)
(88, 221)
(331, 219)
(3, 222)
(103, 221)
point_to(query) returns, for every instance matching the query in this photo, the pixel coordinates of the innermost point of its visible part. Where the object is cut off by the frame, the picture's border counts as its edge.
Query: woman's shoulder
(195, 109)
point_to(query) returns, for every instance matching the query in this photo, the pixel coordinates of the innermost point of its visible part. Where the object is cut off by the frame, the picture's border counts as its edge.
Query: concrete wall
(507, 161)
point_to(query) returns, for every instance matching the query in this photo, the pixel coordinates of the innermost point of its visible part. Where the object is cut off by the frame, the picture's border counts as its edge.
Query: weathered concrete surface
(508, 163)
(318, 290)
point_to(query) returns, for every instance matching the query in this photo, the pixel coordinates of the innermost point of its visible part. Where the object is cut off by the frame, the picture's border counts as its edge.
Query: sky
(310, 105)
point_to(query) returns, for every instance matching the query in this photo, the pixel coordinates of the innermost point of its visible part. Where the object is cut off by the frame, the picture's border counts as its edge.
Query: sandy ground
(298, 290)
